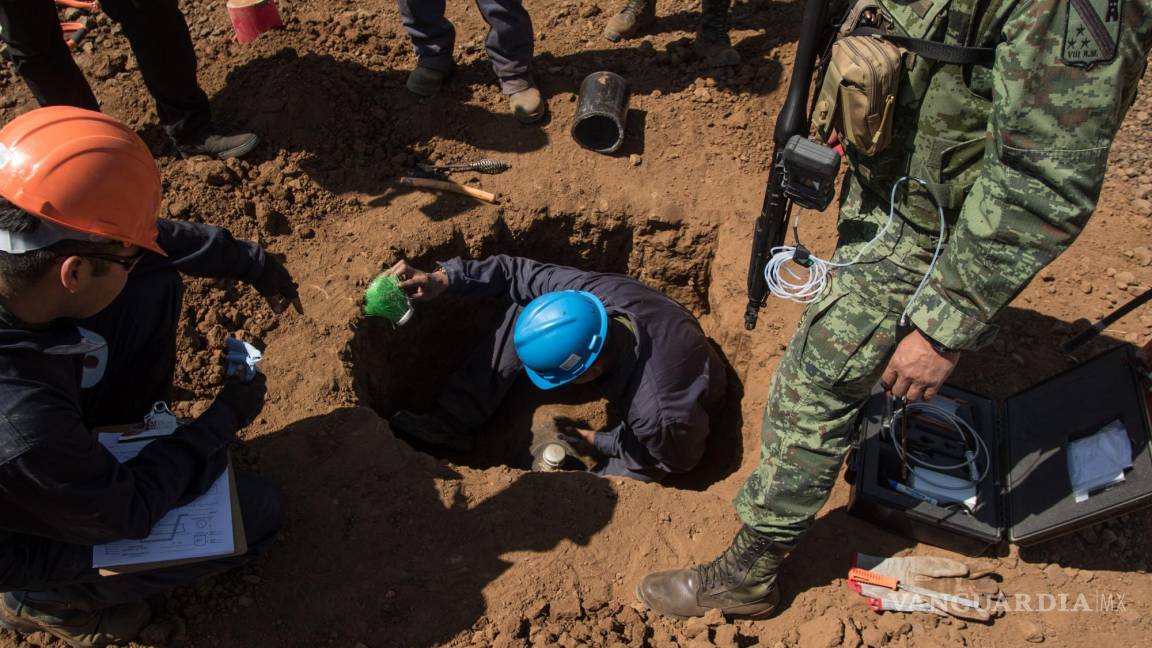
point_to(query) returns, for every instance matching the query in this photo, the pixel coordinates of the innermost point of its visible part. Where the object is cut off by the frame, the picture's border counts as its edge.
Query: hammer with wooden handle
(444, 185)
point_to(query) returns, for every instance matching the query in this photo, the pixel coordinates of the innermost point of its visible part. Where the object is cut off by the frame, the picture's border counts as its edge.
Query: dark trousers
(509, 41)
(140, 327)
(159, 37)
(472, 394)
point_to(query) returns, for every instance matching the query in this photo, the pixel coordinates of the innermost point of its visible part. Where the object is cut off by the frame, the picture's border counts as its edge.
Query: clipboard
(136, 433)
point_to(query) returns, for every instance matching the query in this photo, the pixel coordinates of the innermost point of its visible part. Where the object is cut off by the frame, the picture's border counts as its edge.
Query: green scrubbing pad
(384, 298)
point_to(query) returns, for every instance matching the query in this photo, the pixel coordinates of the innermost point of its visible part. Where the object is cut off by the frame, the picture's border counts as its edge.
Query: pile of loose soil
(386, 546)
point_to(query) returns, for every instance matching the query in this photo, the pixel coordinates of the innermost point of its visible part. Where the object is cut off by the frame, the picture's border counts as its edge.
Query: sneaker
(425, 82)
(114, 626)
(634, 15)
(218, 145)
(527, 105)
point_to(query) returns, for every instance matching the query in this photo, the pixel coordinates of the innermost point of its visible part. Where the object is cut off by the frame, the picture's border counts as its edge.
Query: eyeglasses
(126, 262)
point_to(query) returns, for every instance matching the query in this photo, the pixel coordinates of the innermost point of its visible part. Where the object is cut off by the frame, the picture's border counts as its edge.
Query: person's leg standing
(510, 42)
(834, 360)
(31, 29)
(158, 34)
(510, 46)
(433, 35)
(832, 363)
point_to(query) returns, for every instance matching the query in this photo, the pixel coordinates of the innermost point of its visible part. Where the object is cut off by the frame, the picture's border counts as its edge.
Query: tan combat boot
(527, 105)
(741, 582)
(634, 15)
(25, 613)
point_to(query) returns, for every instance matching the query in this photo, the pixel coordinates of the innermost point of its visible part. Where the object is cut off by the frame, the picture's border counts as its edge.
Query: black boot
(712, 42)
(28, 612)
(741, 582)
(213, 143)
(634, 15)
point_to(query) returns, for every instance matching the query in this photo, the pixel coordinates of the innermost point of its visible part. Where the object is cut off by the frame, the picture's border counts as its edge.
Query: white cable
(962, 428)
(790, 280)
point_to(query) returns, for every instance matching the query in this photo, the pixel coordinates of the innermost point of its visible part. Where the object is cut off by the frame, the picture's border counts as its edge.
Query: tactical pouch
(858, 96)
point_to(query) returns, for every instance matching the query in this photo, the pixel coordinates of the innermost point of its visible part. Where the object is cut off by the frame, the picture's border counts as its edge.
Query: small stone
(1125, 279)
(822, 632)
(714, 617)
(1031, 631)
(694, 627)
(725, 637)
(1143, 255)
(1142, 206)
(1086, 287)
(635, 159)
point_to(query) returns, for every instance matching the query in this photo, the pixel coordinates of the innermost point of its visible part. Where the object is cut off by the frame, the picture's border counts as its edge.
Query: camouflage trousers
(834, 360)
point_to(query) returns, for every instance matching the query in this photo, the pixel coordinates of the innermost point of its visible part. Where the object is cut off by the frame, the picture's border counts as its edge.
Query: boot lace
(635, 7)
(729, 568)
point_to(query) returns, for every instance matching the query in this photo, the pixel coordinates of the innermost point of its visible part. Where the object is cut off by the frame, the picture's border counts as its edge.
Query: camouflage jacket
(1017, 153)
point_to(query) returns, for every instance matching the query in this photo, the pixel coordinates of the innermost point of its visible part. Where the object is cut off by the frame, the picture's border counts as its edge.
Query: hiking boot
(114, 626)
(431, 430)
(634, 15)
(712, 42)
(741, 582)
(425, 81)
(527, 105)
(218, 145)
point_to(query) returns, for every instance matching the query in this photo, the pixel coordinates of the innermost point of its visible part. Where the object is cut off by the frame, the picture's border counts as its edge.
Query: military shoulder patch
(1092, 32)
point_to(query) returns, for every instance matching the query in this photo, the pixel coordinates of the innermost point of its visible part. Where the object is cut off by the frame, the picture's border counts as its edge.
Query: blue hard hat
(559, 335)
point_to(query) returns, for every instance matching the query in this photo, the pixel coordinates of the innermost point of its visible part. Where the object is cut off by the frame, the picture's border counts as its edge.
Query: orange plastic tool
(863, 576)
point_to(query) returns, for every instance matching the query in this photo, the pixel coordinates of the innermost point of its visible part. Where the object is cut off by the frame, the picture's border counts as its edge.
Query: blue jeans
(509, 41)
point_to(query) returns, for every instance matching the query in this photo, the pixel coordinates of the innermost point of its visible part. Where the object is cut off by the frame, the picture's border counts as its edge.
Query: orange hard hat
(82, 170)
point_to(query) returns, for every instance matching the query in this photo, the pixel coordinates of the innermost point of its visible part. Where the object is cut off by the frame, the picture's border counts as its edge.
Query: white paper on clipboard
(200, 529)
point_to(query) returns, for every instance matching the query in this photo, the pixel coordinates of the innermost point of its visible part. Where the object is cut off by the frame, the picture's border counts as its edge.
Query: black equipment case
(1027, 496)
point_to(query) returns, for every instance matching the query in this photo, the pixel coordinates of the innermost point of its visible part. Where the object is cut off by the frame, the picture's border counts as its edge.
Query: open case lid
(1037, 427)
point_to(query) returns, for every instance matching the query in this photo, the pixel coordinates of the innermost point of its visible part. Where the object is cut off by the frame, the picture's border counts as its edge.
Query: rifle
(802, 171)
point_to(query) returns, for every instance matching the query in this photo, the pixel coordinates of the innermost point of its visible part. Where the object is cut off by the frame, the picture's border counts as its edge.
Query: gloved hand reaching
(246, 400)
(276, 285)
(939, 585)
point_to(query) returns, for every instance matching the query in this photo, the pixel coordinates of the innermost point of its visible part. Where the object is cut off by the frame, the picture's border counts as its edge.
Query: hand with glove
(926, 584)
(246, 400)
(276, 285)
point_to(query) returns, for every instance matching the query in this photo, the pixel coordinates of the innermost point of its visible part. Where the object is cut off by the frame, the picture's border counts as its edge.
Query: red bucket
(250, 18)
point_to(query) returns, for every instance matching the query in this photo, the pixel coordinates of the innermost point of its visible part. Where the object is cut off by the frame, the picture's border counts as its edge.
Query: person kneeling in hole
(645, 353)
(90, 301)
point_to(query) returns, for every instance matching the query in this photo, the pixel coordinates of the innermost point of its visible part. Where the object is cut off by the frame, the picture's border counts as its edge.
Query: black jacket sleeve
(520, 280)
(69, 488)
(205, 251)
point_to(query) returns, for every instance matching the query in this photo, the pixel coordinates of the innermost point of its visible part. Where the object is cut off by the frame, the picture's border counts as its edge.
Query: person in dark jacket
(646, 353)
(90, 299)
(159, 37)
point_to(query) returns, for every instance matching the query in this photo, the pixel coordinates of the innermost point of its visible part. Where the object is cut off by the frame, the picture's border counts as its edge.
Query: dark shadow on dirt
(385, 542)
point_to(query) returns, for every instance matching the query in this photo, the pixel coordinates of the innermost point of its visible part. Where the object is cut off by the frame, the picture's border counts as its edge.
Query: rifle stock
(772, 224)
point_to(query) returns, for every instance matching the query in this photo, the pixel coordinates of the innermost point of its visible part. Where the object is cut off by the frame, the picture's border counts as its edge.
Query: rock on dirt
(1030, 631)
(821, 632)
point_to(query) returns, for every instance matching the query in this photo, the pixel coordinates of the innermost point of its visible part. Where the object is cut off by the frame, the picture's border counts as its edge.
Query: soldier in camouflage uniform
(1016, 154)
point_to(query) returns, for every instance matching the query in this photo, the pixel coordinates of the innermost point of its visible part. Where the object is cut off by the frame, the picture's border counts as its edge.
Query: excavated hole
(394, 368)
